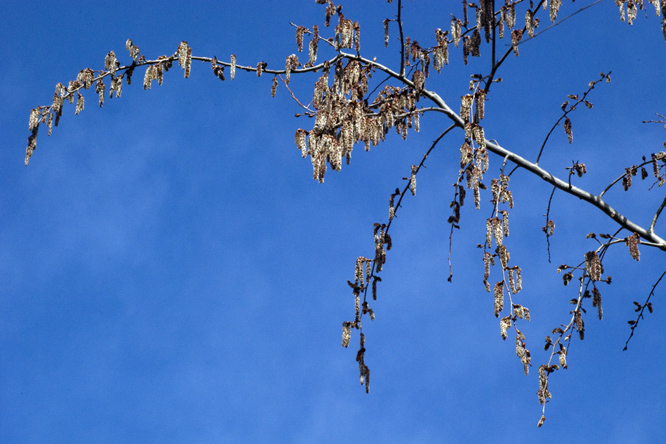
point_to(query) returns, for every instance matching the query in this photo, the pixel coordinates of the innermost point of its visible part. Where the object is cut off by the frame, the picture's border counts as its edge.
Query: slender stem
(640, 315)
(656, 216)
(547, 228)
(620, 178)
(564, 19)
(494, 35)
(402, 194)
(524, 163)
(293, 96)
(543, 145)
(402, 40)
(493, 147)
(418, 167)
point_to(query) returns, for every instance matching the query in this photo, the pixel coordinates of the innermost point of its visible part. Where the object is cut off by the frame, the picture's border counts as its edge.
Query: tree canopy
(174, 242)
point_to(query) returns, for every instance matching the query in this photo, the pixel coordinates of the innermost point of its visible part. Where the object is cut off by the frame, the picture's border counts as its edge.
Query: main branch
(533, 168)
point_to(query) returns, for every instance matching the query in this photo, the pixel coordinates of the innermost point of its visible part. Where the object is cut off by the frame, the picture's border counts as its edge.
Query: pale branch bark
(413, 89)
(201, 59)
(662, 120)
(267, 71)
(656, 216)
(524, 163)
(581, 194)
(495, 148)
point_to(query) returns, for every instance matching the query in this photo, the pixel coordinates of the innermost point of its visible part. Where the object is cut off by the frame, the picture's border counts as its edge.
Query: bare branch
(656, 216)
(402, 40)
(559, 22)
(571, 108)
(527, 165)
(550, 225)
(641, 309)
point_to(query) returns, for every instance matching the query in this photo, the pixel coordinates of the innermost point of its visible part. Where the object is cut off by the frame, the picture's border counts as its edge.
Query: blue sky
(172, 273)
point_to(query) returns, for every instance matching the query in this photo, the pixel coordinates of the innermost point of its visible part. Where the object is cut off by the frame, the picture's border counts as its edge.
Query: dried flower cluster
(554, 8)
(596, 302)
(593, 265)
(343, 118)
(87, 77)
(567, 129)
(218, 69)
(632, 241)
(522, 353)
(347, 111)
(232, 68)
(633, 170)
(543, 393)
(185, 57)
(363, 369)
(632, 7)
(661, 178)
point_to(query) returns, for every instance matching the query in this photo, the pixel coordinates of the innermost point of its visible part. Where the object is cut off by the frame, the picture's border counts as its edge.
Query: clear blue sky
(170, 271)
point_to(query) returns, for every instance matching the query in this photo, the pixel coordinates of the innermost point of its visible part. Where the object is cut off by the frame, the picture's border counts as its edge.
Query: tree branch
(523, 163)
(559, 22)
(402, 40)
(641, 308)
(656, 216)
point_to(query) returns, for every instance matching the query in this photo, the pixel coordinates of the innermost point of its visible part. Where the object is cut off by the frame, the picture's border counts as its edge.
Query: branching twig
(662, 120)
(549, 227)
(559, 22)
(641, 309)
(622, 176)
(527, 165)
(402, 40)
(406, 188)
(567, 111)
(656, 216)
(349, 98)
(308, 111)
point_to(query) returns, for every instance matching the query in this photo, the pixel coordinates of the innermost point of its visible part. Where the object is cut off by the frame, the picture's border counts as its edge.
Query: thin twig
(560, 21)
(457, 121)
(419, 166)
(495, 66)
(402, 194)
(402, 40)
(620, 178)
(524, 163)
(566, 113)
(547, 228)
(307, 109)
(663, 119)
(640, 315)
(656, 216)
